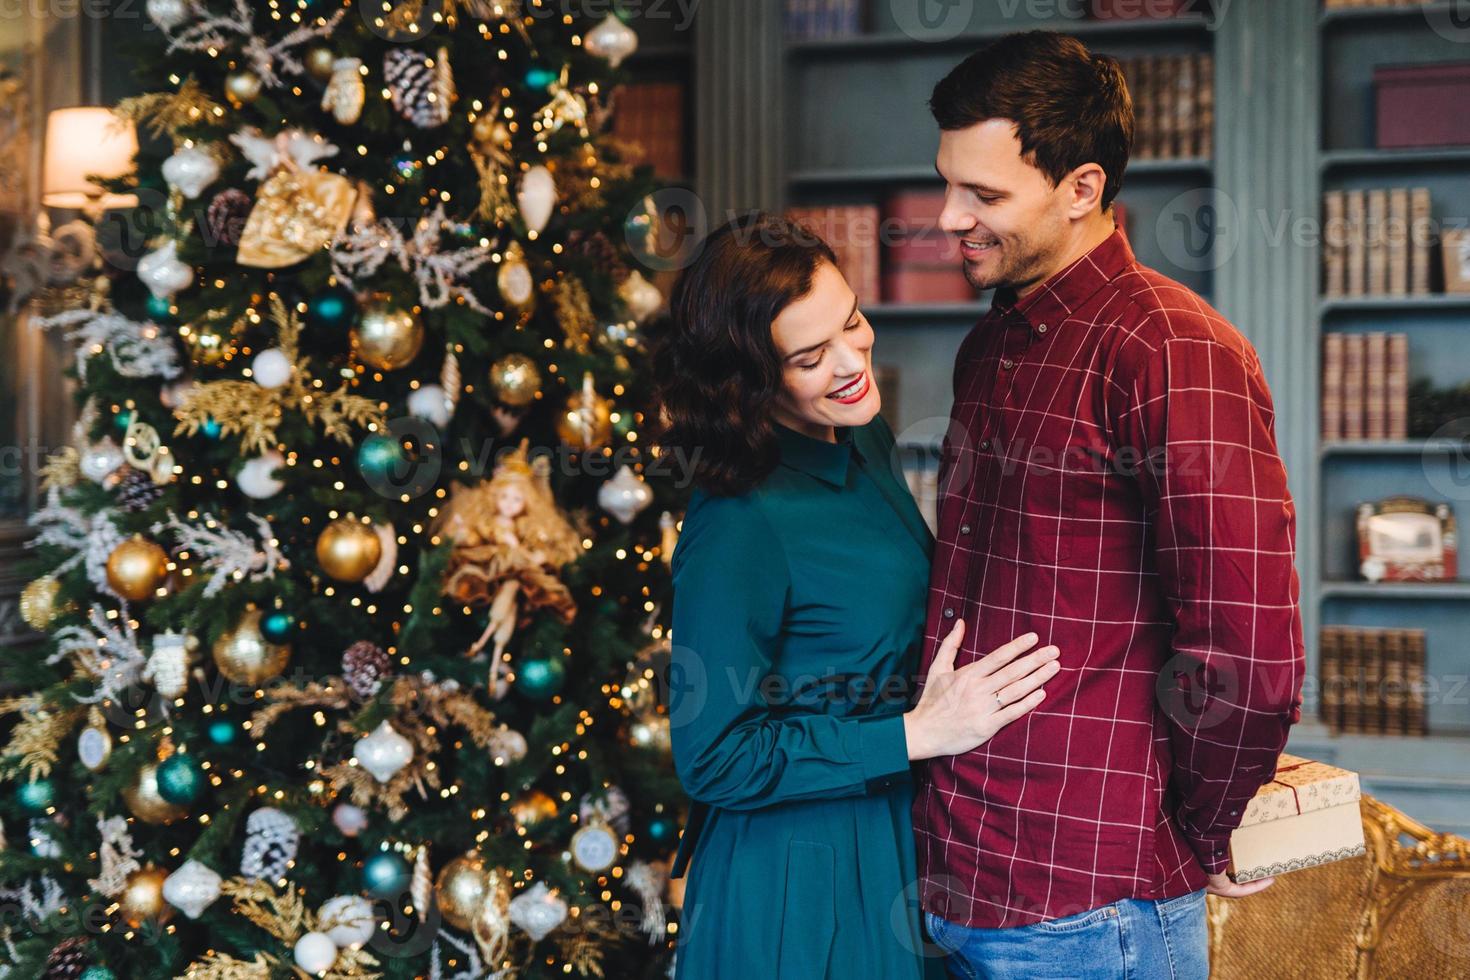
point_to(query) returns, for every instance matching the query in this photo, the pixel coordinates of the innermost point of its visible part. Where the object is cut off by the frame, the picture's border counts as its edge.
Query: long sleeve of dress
(735, 745)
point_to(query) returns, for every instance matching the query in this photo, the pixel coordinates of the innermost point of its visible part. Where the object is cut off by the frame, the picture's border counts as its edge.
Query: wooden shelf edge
(923, 175)
(898, 41)
(1393, 447)
(1360, 15)
(1394, 304)
(1374, 159)
(1417, 591)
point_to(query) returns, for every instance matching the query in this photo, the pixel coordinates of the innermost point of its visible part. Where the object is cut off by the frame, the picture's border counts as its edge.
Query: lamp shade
(85, 140)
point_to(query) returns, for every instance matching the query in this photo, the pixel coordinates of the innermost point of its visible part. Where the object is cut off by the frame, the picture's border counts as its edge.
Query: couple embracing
(1016, 748)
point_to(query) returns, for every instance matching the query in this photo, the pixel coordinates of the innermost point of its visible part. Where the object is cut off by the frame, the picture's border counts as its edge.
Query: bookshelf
(1431, 772)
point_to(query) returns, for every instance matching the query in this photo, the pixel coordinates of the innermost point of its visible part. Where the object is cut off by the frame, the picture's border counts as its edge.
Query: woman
(799, 593)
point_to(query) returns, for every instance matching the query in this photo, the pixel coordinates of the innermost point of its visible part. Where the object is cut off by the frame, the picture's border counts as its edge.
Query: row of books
(651, 116)
(1365, 386)
(1377, 242)
(1173, 105)
(823, 18)
(1373, 680)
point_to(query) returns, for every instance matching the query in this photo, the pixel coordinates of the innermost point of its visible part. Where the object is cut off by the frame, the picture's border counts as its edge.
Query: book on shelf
(1173, 105)
(1372, 4)
(650, 115)
(810, 19)
(921, 262)
(1372, 680)
(1376, 242)
(1365, 386)
(852, 230)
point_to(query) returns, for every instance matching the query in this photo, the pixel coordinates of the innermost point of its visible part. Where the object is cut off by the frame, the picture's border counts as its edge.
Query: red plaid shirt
(1111, 481)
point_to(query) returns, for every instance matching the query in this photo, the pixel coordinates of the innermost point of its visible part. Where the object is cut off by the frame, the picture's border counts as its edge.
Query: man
(1111, 481)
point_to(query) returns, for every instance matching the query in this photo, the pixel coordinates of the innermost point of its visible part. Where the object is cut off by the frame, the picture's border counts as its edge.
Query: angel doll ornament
(510, 544)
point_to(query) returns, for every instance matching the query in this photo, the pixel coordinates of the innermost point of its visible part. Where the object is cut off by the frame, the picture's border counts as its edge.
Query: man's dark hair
(1069, 105)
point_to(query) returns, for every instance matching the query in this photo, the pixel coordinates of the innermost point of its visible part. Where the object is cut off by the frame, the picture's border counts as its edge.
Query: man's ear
(1088, 183)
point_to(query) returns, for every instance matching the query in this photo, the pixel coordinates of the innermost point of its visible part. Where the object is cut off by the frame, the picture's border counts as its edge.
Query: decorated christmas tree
(354, 579)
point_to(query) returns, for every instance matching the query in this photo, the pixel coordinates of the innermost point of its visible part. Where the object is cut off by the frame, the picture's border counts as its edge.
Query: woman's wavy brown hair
(718, 370)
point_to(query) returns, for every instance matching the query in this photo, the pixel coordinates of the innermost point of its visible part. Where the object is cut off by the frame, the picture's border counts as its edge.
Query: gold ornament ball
(387, 337)
(209, 346)
(242, 87)
(585, 423)
(532, 808)
(143, 801)
(460, 890)
(244, 656)
(142, 898)
(136, 568)
(515, 379)
(348, 550)
(319, 62)
(38, 602)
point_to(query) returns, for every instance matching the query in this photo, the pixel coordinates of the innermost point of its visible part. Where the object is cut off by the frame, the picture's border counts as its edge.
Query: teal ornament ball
(540, 78)
(386, 874)
(333, 308)
(209, 428)
(158, 308)
(123, 420)
(661, 830)
(223, 732)
(276, 625)
(378, 457)
(97, 973)
(36, 796)
(540, 678)
(180, 780)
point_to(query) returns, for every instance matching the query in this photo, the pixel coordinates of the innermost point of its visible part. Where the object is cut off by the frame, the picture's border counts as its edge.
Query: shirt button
(964, 529)
(1008, 364)
(1041, 328)
(1235, 813)
(984, 445)
(949, 612)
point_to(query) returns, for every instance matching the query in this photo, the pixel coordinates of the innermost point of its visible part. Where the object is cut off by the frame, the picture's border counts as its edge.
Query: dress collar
(1065, 292)
(824, 460)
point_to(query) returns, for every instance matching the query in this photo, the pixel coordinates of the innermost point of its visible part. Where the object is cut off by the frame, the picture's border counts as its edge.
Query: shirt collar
(824, 460)
(1064, 293)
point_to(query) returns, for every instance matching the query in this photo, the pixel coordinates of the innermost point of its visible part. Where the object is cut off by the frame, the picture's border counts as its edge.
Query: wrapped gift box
(1307, 815)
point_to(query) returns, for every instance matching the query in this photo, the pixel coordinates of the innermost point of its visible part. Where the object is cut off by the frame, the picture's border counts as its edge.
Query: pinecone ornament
(602, 253)
(137, 491)
(226, 217)
(421, 87)
(364, 665)
(68, 959)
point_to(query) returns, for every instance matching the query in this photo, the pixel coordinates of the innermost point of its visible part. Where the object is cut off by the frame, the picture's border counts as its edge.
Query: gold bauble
(144, 802)
(244, 656)
(348, 550)
(209, 345)
(515, 379)
(387, 337)
(319, 62)
(142, 899)
(586, 422)
(136, 568)
(38, 602)
(461, 889)
(532, 808)
(242, 87)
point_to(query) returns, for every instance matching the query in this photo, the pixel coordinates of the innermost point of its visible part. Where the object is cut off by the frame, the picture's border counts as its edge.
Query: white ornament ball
(537, 197)
(168, 14)
(348, 920)
(257, 478)
(192, 888)
(101, 460)
(537, 911)
(350, 819)
(315, 952)
(162, 272)
(271, 368)
(384, 752)
(611, 39)
(190, 170)
(625, 495)
(431, 403)
(508, 744)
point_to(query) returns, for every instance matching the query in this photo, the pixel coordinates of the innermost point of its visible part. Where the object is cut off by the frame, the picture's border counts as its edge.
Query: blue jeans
(1131, 939)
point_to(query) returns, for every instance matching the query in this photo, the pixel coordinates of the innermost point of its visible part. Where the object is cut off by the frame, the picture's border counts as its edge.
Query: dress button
(949, 612)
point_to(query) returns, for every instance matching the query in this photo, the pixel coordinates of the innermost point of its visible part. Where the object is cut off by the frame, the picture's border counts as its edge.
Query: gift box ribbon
(1295, 798)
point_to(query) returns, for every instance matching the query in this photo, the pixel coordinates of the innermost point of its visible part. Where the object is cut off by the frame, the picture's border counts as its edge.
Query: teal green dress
(797, 624)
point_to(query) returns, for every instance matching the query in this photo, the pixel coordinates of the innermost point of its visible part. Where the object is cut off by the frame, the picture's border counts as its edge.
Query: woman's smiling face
(826, 349)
